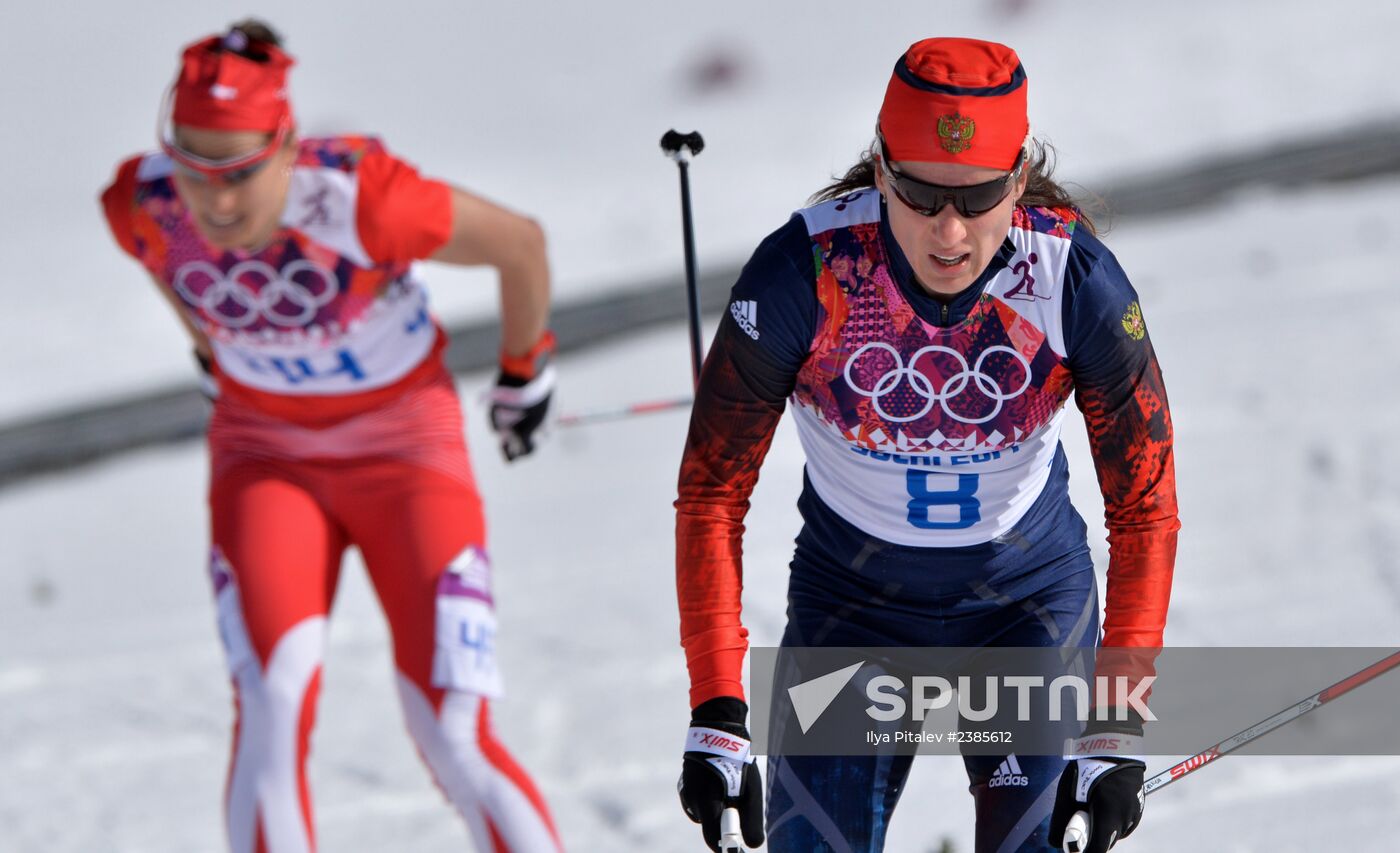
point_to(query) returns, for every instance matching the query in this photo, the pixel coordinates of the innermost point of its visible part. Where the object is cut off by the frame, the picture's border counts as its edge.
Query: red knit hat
(221, 89)
(956, 100)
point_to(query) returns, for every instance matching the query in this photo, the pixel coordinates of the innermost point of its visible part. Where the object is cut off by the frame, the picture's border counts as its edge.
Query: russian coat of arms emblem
(955, 132)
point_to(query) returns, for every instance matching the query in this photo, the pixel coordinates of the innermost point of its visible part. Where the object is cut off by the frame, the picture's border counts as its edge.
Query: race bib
(465, 654)
(232, 632)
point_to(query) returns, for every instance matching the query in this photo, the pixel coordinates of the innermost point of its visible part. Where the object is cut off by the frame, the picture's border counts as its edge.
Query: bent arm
(484, 233)
(199, 340)
(125, 220)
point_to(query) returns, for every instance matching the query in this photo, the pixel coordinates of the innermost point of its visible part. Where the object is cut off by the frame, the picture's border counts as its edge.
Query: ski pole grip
(731, 840)
(1077, 833)
(672, 141)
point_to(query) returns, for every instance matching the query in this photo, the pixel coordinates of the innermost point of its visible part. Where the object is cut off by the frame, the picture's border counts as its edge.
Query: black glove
(1103, 780)
(520, 400)
(718, 773)
(208, 383)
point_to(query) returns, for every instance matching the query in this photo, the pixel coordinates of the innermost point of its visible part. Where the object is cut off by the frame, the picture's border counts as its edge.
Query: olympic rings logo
(952, 387)
(254, 289)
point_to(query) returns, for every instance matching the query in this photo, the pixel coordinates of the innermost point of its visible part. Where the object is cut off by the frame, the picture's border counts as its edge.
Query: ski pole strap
(717, 742)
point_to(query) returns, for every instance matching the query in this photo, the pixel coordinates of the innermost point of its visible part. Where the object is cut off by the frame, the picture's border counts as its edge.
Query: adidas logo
(745, 313)
(1009, 775)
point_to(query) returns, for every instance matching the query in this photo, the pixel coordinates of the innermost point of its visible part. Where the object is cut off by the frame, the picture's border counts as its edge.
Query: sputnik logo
(810, 699)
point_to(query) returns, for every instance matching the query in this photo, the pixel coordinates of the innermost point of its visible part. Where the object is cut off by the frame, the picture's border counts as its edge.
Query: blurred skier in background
(336, 423)
(928, 319)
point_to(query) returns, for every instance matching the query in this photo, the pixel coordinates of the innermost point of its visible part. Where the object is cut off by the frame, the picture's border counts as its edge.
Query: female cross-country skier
(927, 320)
(336, 423)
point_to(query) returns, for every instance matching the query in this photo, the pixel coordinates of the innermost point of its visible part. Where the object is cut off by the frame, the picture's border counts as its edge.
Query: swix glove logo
(1092, 746)
(714, 740)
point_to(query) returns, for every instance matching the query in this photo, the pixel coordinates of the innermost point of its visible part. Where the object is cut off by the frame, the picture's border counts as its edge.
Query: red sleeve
(400, 215)
(1130, 434)
(118, 202)
(731, 428)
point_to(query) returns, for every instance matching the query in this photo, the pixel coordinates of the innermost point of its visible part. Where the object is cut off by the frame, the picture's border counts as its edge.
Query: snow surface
(114, 709)
(1275, 316)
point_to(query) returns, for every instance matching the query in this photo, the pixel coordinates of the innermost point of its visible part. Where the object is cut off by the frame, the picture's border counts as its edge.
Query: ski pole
(730, 838)
(617, 413)
(676, 144)
(1079, 824)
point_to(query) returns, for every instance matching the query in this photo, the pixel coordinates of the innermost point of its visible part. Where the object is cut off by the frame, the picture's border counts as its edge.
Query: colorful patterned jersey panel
(923, 435)
(312, 313)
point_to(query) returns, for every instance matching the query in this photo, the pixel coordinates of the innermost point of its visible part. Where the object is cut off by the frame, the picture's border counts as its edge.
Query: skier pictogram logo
(1025, 288)
(316, 211)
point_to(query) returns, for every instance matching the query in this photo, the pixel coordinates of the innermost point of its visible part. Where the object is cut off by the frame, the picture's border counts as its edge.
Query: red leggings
(280, 528)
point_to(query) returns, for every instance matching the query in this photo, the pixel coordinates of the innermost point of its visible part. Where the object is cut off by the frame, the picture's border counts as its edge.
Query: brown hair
(257, 33)
(1041, 189)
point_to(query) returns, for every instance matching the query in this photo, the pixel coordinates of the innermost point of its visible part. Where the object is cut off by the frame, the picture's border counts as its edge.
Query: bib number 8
(922, 500)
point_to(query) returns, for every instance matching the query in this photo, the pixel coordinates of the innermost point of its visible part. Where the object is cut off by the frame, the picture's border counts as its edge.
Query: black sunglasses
(927, 199)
